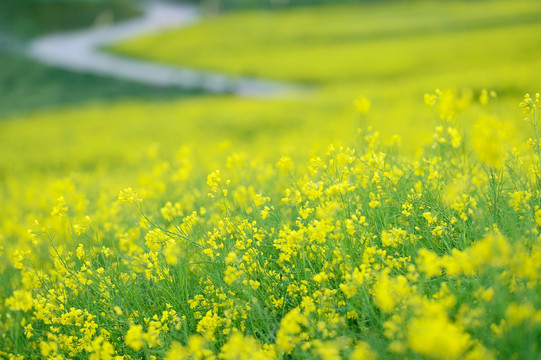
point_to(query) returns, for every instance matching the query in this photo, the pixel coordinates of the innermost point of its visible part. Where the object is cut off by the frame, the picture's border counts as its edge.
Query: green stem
(536, 138)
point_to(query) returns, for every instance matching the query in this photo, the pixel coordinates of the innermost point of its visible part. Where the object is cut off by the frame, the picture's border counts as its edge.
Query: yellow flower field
(377, 219)
(358, 252)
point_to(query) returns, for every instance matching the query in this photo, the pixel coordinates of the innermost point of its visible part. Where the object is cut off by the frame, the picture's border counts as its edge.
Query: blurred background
(305, 62)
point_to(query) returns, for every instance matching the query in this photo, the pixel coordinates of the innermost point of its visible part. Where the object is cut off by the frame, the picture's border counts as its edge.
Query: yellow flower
(128, 195)
(240, 347)
(362, 351)
(529, 105)
(171, 253)
(433, 335)
(289, 334)
(362, 104)
(328, 350)
(483, 98)
(388, 292)
(428, 262)
(60, 209)
(285, 163)
(490, 140)
(517, 313)
(538, 217)
(479, 352)
(208, 324)
(486, 295)
(134, 337)
(456, 138)
(20, 300)
(519, 200)
(432, 99)
(100, 349)
(232, 274)
(177, 352)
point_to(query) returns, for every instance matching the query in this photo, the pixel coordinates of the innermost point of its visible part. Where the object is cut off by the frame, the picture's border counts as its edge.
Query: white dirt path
(80, 51)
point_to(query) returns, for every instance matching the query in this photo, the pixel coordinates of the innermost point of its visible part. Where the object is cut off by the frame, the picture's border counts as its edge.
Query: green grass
(228, 5)
(27, 18)
(28, 86)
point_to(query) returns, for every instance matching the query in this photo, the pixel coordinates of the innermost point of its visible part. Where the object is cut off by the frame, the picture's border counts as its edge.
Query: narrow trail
(81, 51)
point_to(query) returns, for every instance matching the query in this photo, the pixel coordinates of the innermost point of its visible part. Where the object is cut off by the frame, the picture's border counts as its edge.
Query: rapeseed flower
(362, 105)
(356, 252)
(134, 337)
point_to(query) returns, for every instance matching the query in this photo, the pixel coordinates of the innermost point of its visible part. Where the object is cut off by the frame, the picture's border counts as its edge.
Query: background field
(367, 44)
(392, 54)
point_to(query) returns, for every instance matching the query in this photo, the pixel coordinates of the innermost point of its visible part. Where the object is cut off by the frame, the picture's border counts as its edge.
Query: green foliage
(220, 5)
(26, 85)
(26, 18)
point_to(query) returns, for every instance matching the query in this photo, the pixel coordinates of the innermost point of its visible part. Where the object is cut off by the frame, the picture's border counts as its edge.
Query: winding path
(80, 51)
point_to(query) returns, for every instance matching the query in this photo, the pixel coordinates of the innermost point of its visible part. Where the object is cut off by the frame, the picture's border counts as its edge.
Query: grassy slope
(26, 85)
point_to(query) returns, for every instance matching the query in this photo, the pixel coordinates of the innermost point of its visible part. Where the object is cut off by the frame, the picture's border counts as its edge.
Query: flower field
(357, 252)
(403, 223)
